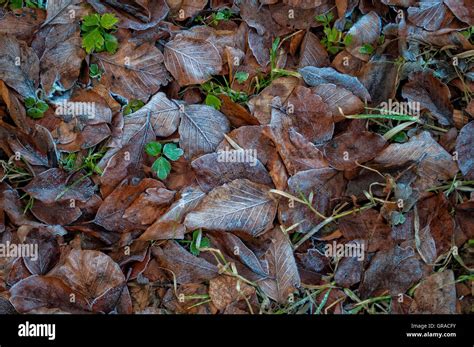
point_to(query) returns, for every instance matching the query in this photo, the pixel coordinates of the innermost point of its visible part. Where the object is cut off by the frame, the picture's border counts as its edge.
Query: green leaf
(193, 248)
(92, 40)
(34, 113)
(172, 151)
(162, 167)
(398, 218)
(136, 104)
(153, 148)
(366, 49)
(108, 20)
(213, 101)
(30, 102)
(94, 69)
(241, 76)
(16, 4)
(401, 137)
(91, 20)
(42, 106)
(111, 43)
(347, 39)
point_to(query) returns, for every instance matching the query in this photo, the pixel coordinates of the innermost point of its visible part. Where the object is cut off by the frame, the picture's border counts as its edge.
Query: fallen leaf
(134, 72)
(465, 150)
(435, 295)
(345, 151)
(192, 61)
(432, 95)
(284, 278)
(201, 129)
(238, 206)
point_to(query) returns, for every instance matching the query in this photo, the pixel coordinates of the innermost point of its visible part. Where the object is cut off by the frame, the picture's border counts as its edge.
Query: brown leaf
(215, 169)
(430, 15)
(169, 225)
(368, 225)
(310, 115)
(137, 15)
(201, 129)
(465, 150)
(314, 76)
(462, 9)
(23, 24)
(326, 185)
(260, 106)
(134, 72)
(37, 292)
(91, 273)
(62, 63)
(312, 52)
(19, 66)
(395, 270)
(238, 206)
(247, 262)
(349, 270)
(296, 151)
(225, 290)
(435, 295)
(250, 138)
(57, 185)
(192, 61)
(432, 95)
(182, 265)
(380, 77)
(59, 11)
(128, 160)
(64, 213)
(163, 115)
(48, 251)
(337, 97)
(433, 163)
(111, 214)
(184, 9)
(346, 150)
(365, 31)
(284, 277)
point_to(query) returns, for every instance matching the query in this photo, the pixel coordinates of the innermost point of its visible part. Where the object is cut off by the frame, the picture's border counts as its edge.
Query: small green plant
(133, 106)
(88, 163)
(367, 49)
(221, 15)
(35, 107)
(215, 17)
(241, 77)
(95, 71)
(17, 4)
(198, 242)
(334, 40)
(29, 204)
(162, 166)
(214, 88)
(469, 34)
(97, 32)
